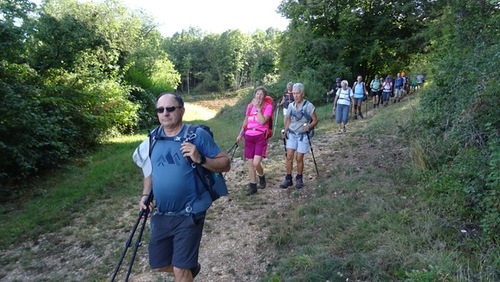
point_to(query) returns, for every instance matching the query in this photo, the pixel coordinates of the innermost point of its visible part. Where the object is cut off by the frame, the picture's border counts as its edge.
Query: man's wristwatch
(203, 160)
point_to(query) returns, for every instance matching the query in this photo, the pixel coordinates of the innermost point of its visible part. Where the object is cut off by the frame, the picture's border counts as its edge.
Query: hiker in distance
(399, 87)
(300, 120)
(375, 86)
(178, 214)
(255, 131)
(333, 91)
(387, 90)
(287, 99)
(343, 101)
(359, 89)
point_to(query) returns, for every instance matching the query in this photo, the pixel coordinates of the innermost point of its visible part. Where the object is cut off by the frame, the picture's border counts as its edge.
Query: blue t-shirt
(175, 183)
(359, 89)
(399, 82)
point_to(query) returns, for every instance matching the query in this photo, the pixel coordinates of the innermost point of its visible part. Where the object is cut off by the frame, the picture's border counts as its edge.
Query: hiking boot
(344, 130)
(262, 181)
(285, 184)
(355, 116)
(196, 270)
(251, 188)
(361, 115)
(299, 183)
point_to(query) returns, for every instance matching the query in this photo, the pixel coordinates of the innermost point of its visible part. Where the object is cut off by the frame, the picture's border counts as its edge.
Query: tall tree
(347, 38)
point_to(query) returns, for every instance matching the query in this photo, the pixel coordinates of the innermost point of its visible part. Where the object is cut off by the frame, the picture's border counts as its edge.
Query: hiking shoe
(285, 184)
(299, 183)
(196, 270)
(344, 129)
(251, 188)
(355, 116)
(262, 182)
(361, 115)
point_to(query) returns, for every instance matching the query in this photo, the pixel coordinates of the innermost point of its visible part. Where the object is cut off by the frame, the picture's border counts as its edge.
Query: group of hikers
(383, 92)
(300, 119)
(169, 160)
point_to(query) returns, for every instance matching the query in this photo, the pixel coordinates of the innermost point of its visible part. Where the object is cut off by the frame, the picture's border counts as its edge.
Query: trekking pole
(312, 152)
(276, 118)
(366, 108)
(284, 141)
(326, 110)
(138, 241)
(233, 148)
(142, 214)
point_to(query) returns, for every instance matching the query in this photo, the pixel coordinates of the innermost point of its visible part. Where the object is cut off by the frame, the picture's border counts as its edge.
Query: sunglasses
(160, 110)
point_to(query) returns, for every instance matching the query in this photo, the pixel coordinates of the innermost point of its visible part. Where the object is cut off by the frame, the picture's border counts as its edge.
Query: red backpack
(268, 100)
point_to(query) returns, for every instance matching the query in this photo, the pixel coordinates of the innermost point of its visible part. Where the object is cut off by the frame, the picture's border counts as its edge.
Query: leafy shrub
(457, 123)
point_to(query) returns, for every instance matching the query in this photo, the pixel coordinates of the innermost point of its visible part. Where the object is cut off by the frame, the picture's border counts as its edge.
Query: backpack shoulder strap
(249, 109)
(190, 132)
(306, 114)
(153, 137)
(293, 108)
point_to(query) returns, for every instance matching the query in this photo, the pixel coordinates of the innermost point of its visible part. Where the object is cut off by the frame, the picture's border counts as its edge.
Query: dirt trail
(234, 245)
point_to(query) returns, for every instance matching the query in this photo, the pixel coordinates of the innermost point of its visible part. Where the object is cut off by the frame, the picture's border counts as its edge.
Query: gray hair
(298, 87)
(344, 83)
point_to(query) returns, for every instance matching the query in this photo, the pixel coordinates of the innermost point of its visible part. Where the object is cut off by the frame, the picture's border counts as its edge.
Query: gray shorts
(358, 101)
(298, 142)
(175, 240)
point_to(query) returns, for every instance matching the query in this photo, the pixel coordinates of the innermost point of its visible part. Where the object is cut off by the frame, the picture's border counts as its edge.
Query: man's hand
(189, 151)
(142, 204)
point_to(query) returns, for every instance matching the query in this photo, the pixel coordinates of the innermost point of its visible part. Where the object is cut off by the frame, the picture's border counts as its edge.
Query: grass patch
(104, 175)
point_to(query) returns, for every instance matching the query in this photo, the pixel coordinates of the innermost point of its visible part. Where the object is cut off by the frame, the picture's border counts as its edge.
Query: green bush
(459, 116)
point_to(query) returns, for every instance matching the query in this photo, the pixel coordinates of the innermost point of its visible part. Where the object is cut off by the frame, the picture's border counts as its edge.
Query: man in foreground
(178, 214)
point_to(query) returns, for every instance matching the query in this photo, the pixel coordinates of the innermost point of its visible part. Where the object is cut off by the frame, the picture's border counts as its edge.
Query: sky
(213, 16)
